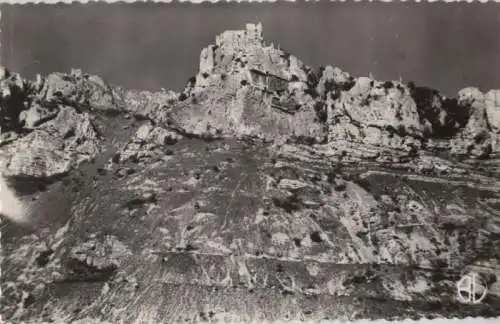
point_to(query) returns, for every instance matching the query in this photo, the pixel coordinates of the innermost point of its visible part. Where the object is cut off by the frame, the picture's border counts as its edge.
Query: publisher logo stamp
(471, 289)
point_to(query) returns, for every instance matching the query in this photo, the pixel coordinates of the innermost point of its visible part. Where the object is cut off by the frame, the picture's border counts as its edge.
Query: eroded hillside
(264, 190)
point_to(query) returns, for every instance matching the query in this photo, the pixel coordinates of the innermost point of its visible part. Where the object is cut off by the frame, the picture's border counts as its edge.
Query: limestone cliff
(248, 87)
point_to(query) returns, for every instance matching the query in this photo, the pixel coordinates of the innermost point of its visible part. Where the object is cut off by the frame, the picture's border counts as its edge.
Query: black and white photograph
(300, 162)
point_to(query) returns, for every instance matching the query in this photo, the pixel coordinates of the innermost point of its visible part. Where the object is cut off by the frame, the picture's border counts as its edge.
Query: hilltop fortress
(248, 48)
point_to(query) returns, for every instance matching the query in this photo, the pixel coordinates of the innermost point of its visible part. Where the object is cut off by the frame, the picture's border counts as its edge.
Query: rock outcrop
(45, 130)
(248, 88)
(479, 137)
(48, 126)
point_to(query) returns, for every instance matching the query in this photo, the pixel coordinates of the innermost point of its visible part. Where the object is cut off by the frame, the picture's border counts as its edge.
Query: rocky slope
(265, 189)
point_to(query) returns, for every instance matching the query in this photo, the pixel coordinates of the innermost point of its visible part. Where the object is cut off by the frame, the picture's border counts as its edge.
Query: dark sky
(150, 46)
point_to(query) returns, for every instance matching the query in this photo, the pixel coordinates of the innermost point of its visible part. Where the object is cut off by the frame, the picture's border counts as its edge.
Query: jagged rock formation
(243, 88)
(52, 120)
(272, 189)
(480, 134)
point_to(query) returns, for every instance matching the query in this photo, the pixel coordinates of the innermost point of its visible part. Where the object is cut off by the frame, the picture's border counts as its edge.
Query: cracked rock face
(380, 105)
(54, 147)
(240, 80)
(477, 138)
(271, 189)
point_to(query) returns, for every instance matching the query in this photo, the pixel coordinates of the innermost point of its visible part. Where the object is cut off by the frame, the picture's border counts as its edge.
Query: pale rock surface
(148, 141)
(50, 123)
(333, 76)
(82, 91)
(476, 137)
(146, 104)
(37, 114)
(11, 206)
(492, 101)
(374, 113)
(372, 104)
(223, 100)
(53, 148)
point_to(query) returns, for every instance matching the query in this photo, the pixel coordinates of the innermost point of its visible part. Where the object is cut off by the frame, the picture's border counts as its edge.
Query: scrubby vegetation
(321, 112)
(429, 106)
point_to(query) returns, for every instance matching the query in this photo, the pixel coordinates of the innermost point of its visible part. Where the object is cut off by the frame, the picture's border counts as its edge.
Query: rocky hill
(266, 189)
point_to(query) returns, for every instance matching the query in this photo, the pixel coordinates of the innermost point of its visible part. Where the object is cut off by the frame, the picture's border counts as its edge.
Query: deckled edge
(1, 188)
(237, 1)
(467, 320)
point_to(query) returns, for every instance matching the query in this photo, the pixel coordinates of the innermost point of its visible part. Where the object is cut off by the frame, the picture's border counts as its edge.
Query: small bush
(363, 183)
(312, 79)
(331, 175)
(335, 94)
(329, 86)
(365, 101)
(205, 75)
(321, 112)
(244, 82)
(289, 204)
(348, 85)
(305, 140)
(388, 85)
(413, 152)
(312, 92)
(316, 237)
(427, 133)
(401, 130)
(183, 97)
(285, 55)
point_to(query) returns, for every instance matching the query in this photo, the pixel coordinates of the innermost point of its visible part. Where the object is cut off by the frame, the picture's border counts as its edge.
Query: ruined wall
(207, 59)
(275, 83)
(234, 40)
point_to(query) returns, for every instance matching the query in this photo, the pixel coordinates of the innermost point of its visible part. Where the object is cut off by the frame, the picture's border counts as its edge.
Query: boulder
(79, 90)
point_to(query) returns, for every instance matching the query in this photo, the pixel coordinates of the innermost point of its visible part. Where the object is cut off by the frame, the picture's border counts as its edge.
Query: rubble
(102, 254)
